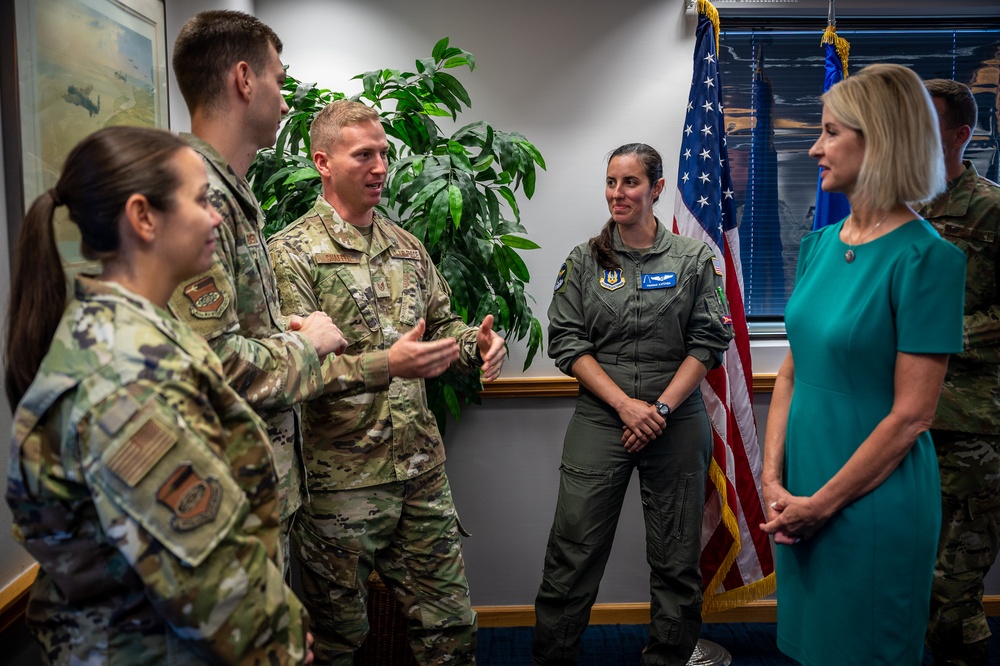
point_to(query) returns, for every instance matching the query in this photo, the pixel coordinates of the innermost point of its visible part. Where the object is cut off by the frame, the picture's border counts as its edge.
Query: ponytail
(37, 297)
(603, 248)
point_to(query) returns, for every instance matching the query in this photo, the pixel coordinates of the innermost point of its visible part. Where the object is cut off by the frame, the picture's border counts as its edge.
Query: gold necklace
(849, 255)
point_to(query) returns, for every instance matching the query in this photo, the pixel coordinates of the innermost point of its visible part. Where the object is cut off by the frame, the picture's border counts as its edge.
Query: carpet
(750, 643)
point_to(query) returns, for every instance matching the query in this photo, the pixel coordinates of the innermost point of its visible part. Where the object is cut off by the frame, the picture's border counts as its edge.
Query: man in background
(228, 69)
(379, 496)
(966, 428)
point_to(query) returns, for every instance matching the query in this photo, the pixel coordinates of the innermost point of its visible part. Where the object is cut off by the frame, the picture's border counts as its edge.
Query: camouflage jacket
(378, 431)
(235, 307)
(968, 215)
(145, 488)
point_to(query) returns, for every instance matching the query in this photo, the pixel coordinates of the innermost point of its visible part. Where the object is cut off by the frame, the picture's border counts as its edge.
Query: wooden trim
(567, 387)
(524, 616)
(14, 597)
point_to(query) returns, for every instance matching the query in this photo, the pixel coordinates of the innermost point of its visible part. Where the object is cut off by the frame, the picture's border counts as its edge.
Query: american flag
(736, 561)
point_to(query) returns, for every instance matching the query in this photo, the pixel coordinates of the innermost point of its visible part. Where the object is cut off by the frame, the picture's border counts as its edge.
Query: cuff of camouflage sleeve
(472, 352)
(376, 370)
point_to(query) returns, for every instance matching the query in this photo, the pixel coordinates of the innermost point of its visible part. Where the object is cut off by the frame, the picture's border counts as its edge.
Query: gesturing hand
(411, 358)
(491, 349)
(320, 330)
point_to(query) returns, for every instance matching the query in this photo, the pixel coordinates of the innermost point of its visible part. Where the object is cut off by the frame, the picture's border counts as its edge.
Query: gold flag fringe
(708, 9)
(842, 45)
(714, 602)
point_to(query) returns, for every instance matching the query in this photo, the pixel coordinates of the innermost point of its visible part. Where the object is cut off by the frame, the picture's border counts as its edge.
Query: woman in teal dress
(850, 477)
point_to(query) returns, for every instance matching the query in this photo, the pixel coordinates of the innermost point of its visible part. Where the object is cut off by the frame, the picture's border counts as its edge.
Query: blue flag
(831, 207)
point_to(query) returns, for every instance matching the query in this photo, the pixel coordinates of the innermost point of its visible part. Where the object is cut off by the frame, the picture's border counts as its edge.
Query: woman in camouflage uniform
(139, 480)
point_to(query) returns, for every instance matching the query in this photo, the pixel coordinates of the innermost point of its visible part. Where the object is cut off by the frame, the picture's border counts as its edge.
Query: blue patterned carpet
(750, 643)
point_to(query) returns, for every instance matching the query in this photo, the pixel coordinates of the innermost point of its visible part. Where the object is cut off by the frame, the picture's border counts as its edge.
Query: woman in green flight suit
(638, 319)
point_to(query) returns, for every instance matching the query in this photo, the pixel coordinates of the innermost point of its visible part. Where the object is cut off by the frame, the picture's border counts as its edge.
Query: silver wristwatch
(662, 408)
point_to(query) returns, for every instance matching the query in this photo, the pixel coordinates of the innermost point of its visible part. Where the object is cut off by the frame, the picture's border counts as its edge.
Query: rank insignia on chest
(252, 239)
(717, 266)
(659, 280)
(193, 500)
(613, 279)
(207, 302)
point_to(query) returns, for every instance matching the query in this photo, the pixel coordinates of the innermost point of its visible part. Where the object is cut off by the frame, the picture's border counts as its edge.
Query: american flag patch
(717, 265)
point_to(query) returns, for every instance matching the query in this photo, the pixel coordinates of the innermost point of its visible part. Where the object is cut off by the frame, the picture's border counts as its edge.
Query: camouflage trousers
(409, 533)
(970, 537)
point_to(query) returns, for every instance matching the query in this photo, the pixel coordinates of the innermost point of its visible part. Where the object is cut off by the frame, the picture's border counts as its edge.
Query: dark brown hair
(602, 245)
(209, 44)
(959, 104)
(99, 176)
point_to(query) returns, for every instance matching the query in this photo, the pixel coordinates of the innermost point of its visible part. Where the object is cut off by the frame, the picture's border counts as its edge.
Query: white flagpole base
(707, 653)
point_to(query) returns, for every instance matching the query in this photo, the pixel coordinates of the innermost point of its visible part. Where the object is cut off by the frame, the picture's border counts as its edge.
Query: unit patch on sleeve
(193, 500)
(561, 278)
(717, 266)
(207, 301)
(613, 279)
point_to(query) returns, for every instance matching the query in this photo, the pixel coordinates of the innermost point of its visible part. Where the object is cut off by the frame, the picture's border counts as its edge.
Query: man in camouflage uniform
(379, 496)
(143, 486)
(228, 70)
(966, 428)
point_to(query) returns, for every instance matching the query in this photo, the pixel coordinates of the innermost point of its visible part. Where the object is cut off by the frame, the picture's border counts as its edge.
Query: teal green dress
(859, 591)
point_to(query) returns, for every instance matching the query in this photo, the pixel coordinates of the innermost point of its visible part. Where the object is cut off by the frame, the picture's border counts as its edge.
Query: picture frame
(67, 69)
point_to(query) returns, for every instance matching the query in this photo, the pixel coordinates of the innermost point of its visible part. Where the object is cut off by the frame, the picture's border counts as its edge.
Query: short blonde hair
(889, 106)
(325, 128)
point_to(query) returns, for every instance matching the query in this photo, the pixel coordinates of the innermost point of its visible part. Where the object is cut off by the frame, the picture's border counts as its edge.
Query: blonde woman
(850, 476)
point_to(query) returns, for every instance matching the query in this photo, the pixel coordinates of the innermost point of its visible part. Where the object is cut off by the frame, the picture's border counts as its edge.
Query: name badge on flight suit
(659, 280)
(613, 279)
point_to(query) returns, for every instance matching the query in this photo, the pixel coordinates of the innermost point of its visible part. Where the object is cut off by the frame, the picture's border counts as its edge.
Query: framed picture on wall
(71, 67)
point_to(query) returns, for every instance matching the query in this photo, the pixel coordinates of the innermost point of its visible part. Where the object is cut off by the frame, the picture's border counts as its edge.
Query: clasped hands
(790, 518)
(642, 422)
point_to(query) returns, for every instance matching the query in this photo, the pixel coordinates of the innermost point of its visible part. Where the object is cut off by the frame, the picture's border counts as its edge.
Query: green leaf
(493, 207)
(516, 264)
(507, 194)
(518, 242)
(455, 204)
(483, 164)
(439, 49)
(302, 174)
(529, 180)
(455, 87)
(534, 341)
(529, 148)
(438, 217)
(432, 188)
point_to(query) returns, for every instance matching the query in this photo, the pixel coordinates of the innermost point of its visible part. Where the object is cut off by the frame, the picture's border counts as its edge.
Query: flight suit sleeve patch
(207, 300)
(717, 266)
(562, 277)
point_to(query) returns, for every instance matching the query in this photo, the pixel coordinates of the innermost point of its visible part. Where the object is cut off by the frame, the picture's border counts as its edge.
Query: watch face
(664, 410)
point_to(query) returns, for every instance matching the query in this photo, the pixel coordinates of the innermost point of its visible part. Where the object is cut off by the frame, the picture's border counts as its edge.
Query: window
(775, 182)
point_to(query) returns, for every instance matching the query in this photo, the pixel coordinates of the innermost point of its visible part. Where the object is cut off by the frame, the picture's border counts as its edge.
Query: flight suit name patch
(193, 500)
(613, 279)
(659, 280)
(207, 302)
